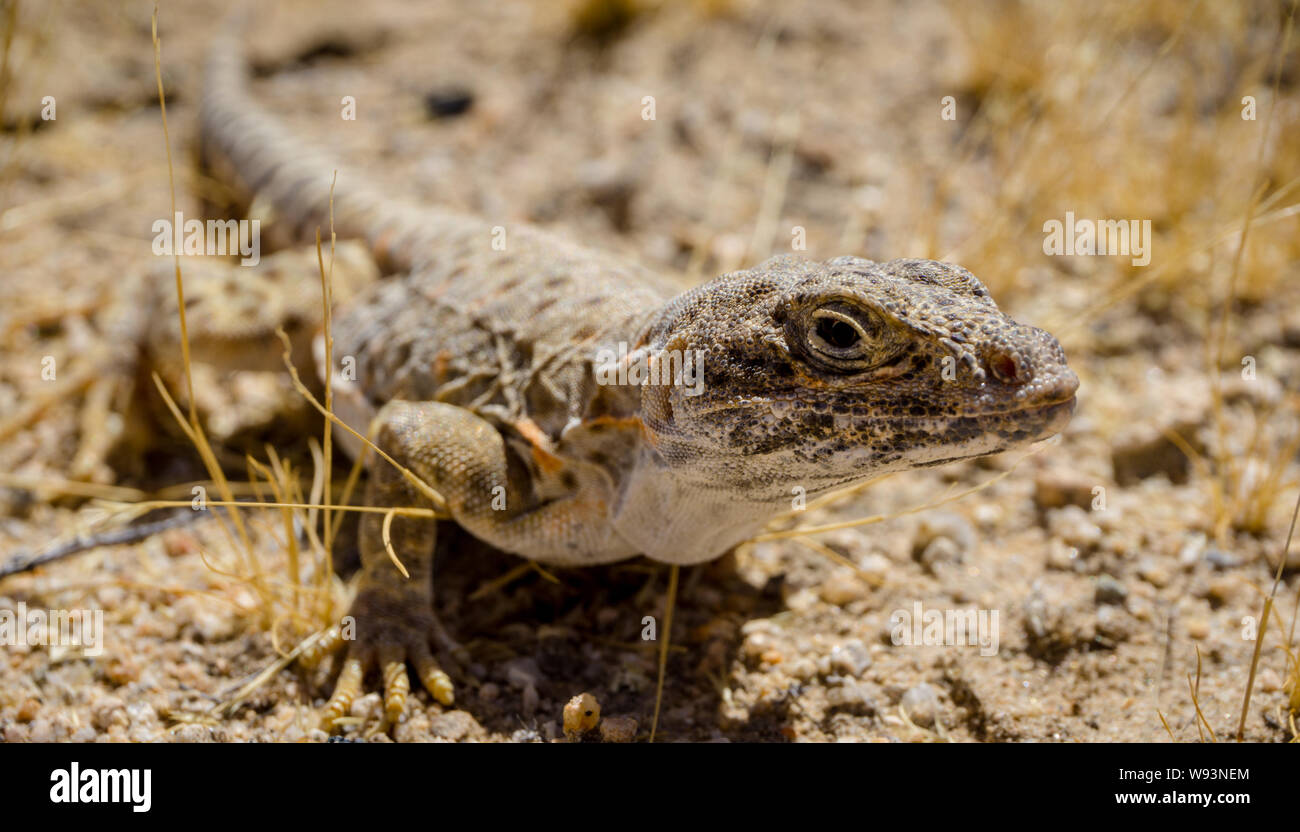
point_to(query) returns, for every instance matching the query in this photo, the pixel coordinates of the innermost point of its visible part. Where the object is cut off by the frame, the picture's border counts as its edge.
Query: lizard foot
(393, 627)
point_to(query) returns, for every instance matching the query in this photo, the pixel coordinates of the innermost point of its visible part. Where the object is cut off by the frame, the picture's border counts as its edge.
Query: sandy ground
(1109, 565)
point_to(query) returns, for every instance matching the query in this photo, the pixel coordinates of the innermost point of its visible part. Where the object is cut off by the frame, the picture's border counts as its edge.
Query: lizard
(574, 407)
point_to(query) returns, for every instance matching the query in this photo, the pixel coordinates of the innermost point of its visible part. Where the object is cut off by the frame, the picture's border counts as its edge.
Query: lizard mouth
(1053, 411)
(1055, 415)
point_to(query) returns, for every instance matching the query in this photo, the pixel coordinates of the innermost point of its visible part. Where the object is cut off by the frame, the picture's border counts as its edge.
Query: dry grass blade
(327, 302)
(665, 634)
(388, 543)
(1196, 701)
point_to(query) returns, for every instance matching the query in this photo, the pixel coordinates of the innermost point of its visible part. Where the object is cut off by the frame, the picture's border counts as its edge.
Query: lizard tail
(244, 144)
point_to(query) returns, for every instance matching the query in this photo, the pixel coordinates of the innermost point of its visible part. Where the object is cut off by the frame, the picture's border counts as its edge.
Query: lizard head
(825, 374)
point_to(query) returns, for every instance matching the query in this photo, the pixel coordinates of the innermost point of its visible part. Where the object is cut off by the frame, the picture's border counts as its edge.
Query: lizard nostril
(1005, 368)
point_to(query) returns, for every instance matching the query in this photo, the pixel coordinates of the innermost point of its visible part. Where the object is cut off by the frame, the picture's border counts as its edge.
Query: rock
(108, 712)
(581, 714)
(1110, 591)
(453, 725)
(1198, 628)
(1178, 404)
(989, 515)
(142, 714)
(523, 675)
(529, 700)
(1153, 572)
(1061, 556)
(1060, 487)
(1074, 527)
(941, 550)
(1112, 624)
(367, 707)
(843, 587)
(850, 658)
(802, 669)
(1268, 681)
(1192, 549)
(28, 710)
(921, 704)
(42, 730)
(192, 733)
(935, 525)
(1221, 589)
(448, 101)
(1145, 450)
(1220, 559)
(852, 697)
(523, 672)
(618, 729)
(875, 567)
(755, 645)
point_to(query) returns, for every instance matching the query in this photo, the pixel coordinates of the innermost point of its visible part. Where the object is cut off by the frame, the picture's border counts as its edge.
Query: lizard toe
(393, 629)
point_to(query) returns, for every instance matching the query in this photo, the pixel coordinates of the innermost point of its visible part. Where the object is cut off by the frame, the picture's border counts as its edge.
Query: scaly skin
(479, 366)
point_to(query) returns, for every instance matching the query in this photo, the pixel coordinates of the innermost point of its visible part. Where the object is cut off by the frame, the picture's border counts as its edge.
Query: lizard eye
(845, 336)
(841, 335)
(837, 334)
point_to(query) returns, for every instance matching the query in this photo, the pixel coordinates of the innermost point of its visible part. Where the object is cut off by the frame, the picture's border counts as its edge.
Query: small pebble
(523, 672)
(755, 645)
(1153, 573)
(42, 731)
(1061, 556)
(366, 707)
(1110, 591)
(1192, 550)
(941, 550)
(1060, 487)
(1073, 526)
(618, 729)
(581, 714)
(1198, 628)
(939, 525)
(802, 669)
(192, 733)
(843, 588)
(1268, 681)
(108, 712)
(1220, 559)
(875, 567)
(853, 697)
(1221, 589)
(28, 710)
(453, 725)
(449, 101)
(850, 658)
(921, 704)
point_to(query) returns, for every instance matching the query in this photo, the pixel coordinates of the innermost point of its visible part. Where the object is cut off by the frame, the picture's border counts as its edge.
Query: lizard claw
(393, 629)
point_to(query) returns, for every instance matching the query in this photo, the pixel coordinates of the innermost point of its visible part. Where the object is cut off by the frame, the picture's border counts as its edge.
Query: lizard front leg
(464, 458)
